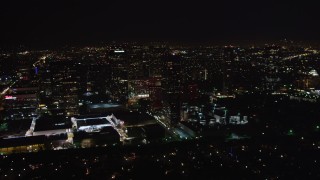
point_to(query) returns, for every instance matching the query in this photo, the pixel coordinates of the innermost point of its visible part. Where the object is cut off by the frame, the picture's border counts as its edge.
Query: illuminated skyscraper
(172, 85)
(229, 56)
(119, 77)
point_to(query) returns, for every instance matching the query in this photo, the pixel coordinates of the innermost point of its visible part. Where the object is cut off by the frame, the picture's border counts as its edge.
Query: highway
(176, 132)
(4, 92)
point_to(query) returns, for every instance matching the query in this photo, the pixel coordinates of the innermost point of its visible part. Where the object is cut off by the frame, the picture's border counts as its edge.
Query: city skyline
(185, 112)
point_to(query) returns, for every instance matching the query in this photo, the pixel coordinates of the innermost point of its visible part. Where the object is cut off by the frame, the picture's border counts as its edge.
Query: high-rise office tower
(229, 55)
(172, 85)
(119, 76)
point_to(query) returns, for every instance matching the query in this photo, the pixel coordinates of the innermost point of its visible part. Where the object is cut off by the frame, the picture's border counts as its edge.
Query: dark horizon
(56, 23)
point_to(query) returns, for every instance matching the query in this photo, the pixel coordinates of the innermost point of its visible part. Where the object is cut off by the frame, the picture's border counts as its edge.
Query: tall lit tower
(172, 85)
(119, 75)
(229, 55)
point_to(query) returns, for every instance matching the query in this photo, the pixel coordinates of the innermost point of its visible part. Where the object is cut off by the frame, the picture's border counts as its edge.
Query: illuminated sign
(143, 95)
(42, 105)
(10, 97)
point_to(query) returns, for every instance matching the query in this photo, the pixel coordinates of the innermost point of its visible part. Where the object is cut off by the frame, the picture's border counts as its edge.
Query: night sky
(73, 21)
